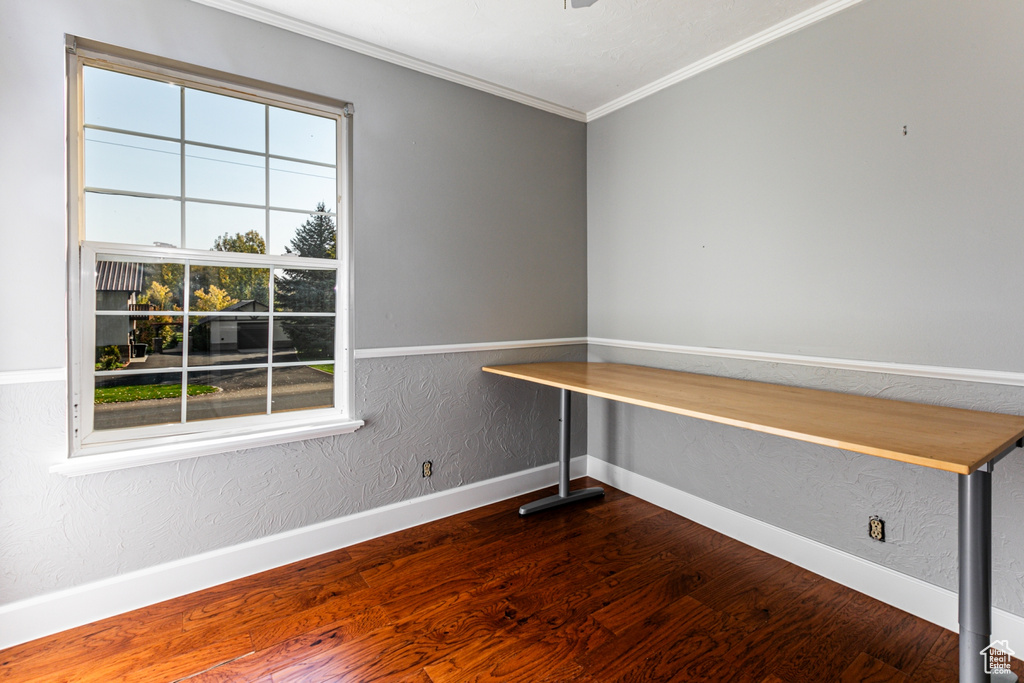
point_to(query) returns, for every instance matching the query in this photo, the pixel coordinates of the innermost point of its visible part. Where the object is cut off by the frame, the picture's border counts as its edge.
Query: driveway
(240, 392)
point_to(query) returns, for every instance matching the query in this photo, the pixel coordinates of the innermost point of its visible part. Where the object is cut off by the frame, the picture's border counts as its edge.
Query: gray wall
(470, 225)
(773, 204)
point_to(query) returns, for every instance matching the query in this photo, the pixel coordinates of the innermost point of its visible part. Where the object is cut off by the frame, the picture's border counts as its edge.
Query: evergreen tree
(308, 290)
(317, 237)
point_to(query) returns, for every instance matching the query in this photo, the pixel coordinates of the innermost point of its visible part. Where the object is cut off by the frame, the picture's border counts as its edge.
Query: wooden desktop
(964, 442)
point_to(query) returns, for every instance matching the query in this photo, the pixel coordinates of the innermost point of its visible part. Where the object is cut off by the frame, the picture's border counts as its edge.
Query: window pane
(313, 236)
(138, 342)
(226, 393)
(304, 290)
(203, 337)
(225, 228)
(131, 103)
(113, 341)
(224, 121)
(220, 288)
(157, 342)
(138, 285)
(303, 387)
(224, 176)
(302, 136)
(222, 340)
(301, 186)
(132, 220)
(137, 400)
(303, 338)
(131, 163)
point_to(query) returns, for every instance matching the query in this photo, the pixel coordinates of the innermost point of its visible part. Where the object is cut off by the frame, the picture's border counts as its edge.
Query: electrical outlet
(876, 528)
(428, 467)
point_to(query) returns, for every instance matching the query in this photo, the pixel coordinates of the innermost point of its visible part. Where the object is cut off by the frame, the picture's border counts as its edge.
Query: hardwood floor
(609, 590)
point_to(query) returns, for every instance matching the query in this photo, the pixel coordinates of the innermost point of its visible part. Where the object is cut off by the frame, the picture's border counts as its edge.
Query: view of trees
(216, 300)
(162, 298)
(240, 284)
(215, 288)
(317, 237)
(310, 290)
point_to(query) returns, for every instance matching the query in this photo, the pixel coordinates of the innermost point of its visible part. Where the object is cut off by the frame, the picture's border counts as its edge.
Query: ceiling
(581, 63)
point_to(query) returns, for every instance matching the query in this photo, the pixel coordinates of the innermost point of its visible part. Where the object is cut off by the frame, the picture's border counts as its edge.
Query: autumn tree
(160, 297)
(239, 282)
(216, 299)
(171, 276)
(164, 291)
(249, 243)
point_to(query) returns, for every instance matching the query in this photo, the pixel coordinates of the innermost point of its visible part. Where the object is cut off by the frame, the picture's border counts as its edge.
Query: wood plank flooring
(608, 590)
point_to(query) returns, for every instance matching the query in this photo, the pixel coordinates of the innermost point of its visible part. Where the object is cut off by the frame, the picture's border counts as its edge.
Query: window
(210, 262)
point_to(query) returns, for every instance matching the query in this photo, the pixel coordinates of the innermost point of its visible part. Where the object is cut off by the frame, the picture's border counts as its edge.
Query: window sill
(99, 459)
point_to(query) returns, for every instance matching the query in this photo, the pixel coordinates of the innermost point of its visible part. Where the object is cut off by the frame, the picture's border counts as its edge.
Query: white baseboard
(47, 614)
(907, 593)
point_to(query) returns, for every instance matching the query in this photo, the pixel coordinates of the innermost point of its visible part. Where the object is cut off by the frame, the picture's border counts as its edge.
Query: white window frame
(90, 451)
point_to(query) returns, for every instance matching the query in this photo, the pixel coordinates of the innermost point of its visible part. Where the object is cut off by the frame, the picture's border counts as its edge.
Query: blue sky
(129, 162)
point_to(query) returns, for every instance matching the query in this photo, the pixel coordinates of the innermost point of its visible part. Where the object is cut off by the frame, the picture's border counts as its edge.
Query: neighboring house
(241, 333)
(118, 285)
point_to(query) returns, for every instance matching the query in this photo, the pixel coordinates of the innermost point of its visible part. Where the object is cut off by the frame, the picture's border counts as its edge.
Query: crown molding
(265, 16)
(783, 28)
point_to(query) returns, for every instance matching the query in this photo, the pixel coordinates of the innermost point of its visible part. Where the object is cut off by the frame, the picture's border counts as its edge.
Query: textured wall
(819, 492)
(57, 532)
(774, 204)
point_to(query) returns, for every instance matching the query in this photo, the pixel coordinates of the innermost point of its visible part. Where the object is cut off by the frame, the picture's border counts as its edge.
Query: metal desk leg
(564, 496)
(976, 577)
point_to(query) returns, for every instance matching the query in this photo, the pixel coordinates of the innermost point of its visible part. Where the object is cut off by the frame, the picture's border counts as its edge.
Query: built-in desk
(964, 442)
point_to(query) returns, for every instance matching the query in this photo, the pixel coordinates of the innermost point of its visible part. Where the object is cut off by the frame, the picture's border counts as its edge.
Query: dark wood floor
(610, 590)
